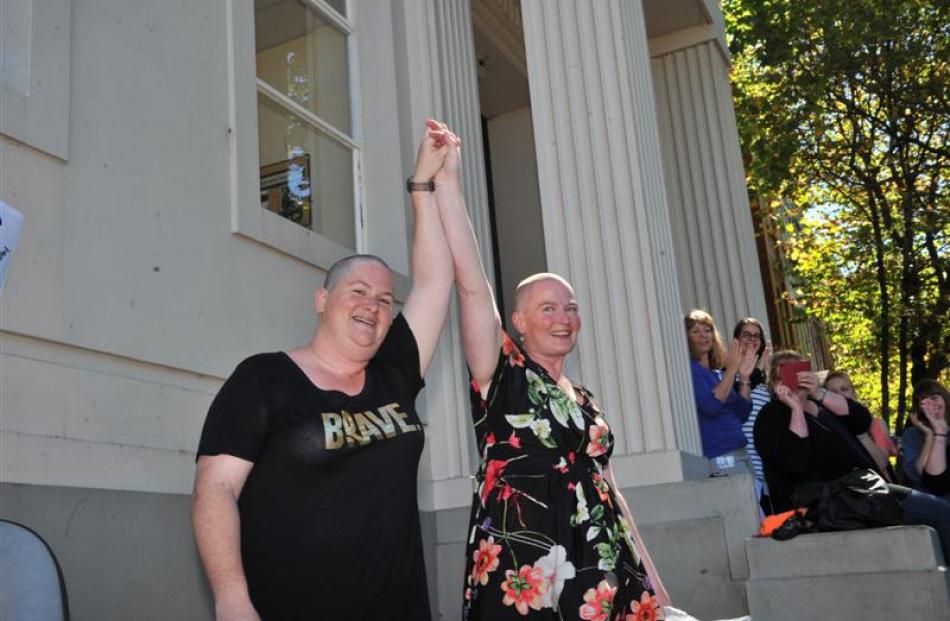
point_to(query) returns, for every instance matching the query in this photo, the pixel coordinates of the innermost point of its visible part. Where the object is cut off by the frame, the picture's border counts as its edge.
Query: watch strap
(419, 186)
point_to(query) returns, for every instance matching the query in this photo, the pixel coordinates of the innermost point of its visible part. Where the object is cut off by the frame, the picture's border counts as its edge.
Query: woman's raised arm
(428, 301)
(481, 324)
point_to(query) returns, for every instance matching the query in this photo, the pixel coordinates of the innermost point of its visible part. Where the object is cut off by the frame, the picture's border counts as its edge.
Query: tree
(844, 110)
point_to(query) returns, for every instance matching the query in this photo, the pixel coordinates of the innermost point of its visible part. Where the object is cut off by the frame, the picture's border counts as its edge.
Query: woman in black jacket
(808, 435)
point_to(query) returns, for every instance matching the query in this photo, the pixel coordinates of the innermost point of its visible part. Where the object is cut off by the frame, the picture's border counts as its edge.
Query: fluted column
(712, 224)
(605, 219)
(441, 82)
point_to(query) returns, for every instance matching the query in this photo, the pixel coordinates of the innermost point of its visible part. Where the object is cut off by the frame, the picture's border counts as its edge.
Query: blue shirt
(720, 423)
(911, 446)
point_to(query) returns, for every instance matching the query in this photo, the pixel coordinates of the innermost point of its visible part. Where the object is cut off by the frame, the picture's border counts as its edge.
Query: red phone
(789, 372)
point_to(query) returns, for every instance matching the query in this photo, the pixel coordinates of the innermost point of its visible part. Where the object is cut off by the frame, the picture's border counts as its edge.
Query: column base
(658, 467)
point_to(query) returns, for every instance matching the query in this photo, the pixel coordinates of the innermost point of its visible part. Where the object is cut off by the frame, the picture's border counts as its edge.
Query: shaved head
(341, 267)
(525, 286)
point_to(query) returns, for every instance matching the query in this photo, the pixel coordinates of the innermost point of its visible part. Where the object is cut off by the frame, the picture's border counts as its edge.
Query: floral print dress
(547, 539)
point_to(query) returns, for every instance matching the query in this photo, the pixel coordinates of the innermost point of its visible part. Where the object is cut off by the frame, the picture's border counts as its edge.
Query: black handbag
(859, 499)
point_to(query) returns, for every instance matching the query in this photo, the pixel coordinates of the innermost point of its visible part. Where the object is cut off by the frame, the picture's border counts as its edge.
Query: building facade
(188, 171)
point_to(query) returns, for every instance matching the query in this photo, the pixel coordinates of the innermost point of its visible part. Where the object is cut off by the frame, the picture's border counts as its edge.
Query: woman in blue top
(721, 405)
(925, 448)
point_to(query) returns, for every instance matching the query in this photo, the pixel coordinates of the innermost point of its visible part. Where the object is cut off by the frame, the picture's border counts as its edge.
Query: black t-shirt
(329, 521)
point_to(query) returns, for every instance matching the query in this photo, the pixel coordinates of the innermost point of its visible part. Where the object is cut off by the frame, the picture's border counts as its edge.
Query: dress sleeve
(239, 419)
(882, 436)
(706, 401)
(858, 418)
(400, 351)
(704, 384)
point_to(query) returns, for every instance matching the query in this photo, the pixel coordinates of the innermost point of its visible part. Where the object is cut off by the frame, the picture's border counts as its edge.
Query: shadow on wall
(124, 555)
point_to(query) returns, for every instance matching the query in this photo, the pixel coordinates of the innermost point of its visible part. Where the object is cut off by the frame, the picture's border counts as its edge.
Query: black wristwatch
(419, 186)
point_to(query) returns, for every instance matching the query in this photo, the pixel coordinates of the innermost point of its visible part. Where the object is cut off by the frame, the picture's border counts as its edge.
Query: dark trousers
(929, 510)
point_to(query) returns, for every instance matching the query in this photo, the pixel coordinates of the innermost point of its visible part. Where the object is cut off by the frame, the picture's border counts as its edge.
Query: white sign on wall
(11, 221)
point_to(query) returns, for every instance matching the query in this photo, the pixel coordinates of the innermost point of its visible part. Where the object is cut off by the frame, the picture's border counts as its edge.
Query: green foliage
(844, 110)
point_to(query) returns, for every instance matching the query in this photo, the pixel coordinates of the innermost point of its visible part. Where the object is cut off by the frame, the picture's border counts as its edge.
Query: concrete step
(901, 548)
(883, 596)
(862, 575)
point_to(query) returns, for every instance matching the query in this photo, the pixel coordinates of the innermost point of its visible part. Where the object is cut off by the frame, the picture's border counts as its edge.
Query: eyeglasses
(750, 335)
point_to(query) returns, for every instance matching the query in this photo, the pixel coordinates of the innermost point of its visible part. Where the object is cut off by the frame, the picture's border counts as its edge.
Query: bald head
(525, 286)
(339, 269)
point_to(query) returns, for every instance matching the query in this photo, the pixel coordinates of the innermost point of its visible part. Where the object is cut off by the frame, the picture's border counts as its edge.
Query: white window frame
(247, 217)
(41, 118)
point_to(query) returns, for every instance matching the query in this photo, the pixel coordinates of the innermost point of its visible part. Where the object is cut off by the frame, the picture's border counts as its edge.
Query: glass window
(339, 5)
(305, 119)
(305, 175)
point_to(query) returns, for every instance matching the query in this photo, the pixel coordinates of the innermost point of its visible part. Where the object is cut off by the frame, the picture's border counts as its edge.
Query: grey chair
(31, 581)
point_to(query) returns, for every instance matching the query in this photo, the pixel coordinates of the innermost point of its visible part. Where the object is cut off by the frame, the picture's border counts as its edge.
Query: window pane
(305, 176)
(303, 56)
(339, 5)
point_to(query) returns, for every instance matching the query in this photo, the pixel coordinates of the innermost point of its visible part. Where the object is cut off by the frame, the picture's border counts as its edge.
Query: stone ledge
(876, 574)
(882, 596)
(893, 549)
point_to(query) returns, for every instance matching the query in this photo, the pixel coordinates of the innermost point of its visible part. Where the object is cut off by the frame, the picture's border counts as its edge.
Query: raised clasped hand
(431, 156)
(444, 137)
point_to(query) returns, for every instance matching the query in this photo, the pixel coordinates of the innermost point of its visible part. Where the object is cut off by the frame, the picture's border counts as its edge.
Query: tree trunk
(885, 325)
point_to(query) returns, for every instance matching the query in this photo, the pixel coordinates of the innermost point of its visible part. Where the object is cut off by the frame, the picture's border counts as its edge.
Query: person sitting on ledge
(924, 449)
(807, 435)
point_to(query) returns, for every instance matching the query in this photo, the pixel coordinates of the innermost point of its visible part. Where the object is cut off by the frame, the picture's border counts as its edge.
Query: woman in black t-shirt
(305, 491)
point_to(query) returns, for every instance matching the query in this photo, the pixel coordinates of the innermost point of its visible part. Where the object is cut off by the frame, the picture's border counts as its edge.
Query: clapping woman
(722, 408)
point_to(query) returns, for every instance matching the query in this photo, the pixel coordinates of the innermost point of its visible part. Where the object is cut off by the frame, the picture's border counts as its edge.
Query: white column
(605, 222)
(440, 82)
(712, 223)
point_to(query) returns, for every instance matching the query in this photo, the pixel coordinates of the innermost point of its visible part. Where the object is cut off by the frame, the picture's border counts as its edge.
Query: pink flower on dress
(645, 610)
(599, 439)
(514, 440)
(603, 490)
(485, 559)
(524, 589)
(508, 347)
(599, 601)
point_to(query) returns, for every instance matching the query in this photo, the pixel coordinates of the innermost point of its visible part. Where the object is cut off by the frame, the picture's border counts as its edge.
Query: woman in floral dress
(550, 536)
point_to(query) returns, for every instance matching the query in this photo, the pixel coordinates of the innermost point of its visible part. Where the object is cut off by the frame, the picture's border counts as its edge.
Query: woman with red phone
(807, 435)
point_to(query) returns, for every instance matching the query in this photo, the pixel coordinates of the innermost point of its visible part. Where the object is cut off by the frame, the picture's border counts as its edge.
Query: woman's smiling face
(548, 319)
